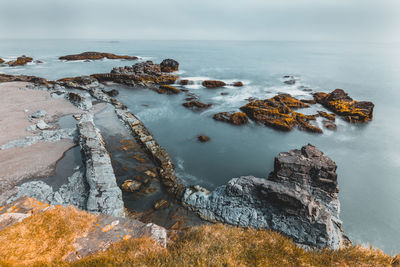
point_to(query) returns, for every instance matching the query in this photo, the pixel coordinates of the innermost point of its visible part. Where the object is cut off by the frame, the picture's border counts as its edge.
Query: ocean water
(368, 156)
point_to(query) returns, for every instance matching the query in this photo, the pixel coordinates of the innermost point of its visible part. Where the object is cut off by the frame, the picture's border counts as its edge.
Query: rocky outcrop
(81, 82)
(237, 84)
(1, 61)
(203, 138)
(143, 74)
(236, 118)
(104, 194)
(22, 78)
(342, 104)
(213, 84)
(95, 56)
(196, 105)
(170, 89)
(277, 112)
(169, 65)
(20, 61)
(299, 199)
(81, 100)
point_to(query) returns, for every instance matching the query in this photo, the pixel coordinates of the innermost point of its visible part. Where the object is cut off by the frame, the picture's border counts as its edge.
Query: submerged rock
(197, 105)
(170, 89)
(237, 84)
(203, 138)
(289, 80)
(95, 56)
(342, 104)
(326, 115)
(169, 65)
(329, 124)
(161, 204)
(131, 185)
(112, 93)
(277, 113)
(1, 61)
(236, 118)
(299, 199)
(213, 84)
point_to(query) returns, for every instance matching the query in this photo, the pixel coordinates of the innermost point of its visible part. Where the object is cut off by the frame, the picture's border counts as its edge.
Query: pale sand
(38, 160)
(13, 102)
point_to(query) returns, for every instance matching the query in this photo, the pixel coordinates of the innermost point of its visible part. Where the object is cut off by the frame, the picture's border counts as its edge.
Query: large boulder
(169, 65)
(298, 199)
(95, 56)
(342, 104)
(213, 84)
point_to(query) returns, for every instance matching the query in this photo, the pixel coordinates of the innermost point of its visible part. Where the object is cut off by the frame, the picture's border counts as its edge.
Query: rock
(81, 82)
(150, 174)
(112, 93)
(41, 125)
(339, 102)
(161, 204)
(169, 65)
(184, 82)
(197, 105)
(237, 84)
(329, 124)
(326, 115)
(38, 114)
(308, 101)
(38, 62)
(81, 100)
(143, 74)
(224, 93)
(299, 199)
(1, 61)
(236, 118)
(203, 138)
(170, 89)
(131, 185)
(213, 84)
(22, 78)
(104, 195)
(20, 61)
(277, 113)
(95, 56)
(289, 80)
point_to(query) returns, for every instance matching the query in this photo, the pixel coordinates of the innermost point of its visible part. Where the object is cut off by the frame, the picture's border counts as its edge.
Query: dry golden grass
(43, 237)
(219, 245)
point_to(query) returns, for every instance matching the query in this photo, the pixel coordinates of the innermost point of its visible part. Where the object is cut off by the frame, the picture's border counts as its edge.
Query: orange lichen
(170, 89)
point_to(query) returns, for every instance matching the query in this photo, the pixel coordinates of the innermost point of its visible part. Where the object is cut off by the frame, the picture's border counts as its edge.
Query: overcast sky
(342, 20)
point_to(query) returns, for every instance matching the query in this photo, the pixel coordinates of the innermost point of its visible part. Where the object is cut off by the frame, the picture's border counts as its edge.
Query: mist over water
(367, 156)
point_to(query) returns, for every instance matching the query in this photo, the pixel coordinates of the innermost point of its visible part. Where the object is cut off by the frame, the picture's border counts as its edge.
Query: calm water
(368, 156)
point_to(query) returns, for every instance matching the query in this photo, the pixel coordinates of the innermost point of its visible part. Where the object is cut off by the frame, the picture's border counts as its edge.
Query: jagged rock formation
(142, 73)
(299, 199)
(95, 56)
(236, 118)
(104, 194)
(21, 78)
(277, 112)
(342, 104)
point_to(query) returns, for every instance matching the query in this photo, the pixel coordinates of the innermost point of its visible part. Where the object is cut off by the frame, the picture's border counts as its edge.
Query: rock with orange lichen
(170, 89)
(143, 74)
(203, 138)
(213, 84)
(95, 56)
(20, 61)
(1, 61)
(326, 115)
(236, 118)
(237, 84)
(196, 105)
(22, 78)
(342, 104)
(169, 65)
(277, 112)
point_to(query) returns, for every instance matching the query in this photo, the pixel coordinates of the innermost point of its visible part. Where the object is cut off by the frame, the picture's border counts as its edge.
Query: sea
(367, 155)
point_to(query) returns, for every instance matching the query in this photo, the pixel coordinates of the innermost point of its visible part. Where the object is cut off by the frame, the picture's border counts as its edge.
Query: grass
(45, 238)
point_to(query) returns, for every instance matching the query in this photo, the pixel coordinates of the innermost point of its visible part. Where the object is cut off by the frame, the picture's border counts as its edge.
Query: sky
(333, 20)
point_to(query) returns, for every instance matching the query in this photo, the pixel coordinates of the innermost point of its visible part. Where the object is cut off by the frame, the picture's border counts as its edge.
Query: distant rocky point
(96, 56)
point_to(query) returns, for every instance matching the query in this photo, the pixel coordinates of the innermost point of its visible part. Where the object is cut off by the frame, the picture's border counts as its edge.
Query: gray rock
(41, 125)
(104, 194)
(299, 199)
(81, 100)
(39, 114)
